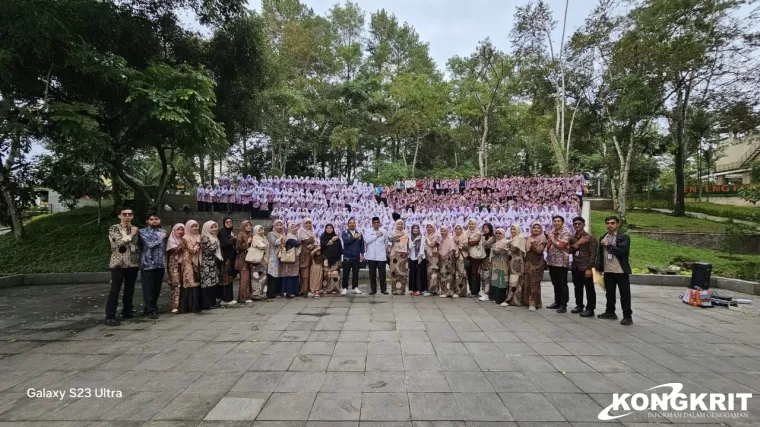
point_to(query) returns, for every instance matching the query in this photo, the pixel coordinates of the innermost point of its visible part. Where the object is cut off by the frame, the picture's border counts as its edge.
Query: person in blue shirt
(353, 255)
(152, 263)
(376, 254)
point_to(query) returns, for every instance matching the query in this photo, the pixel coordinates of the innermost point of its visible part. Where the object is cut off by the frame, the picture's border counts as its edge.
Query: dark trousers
(473, 276)
(274, 284)
(127, 276)
(558, 276)
(151, 288)
(418, 276)
(623, 282)
(580, 281)
(374, 268)
(351, 266)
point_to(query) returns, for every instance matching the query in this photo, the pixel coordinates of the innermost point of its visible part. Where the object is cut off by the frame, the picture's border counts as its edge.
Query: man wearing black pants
(376, 245)
(583, 246)
(558, 260)
(353, 255)
(612, 260)
(153, 264)
(124, 264)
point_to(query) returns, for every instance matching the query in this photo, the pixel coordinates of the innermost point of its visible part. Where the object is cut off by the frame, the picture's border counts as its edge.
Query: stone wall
(701, 240)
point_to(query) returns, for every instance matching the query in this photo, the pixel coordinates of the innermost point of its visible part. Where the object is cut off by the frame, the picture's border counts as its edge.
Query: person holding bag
(289, 269)
(256, 256)
(476, 254)
(276, 240)
(242, 243)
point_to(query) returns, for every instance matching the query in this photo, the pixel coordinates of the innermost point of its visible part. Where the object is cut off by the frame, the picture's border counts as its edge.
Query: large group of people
(296, 259)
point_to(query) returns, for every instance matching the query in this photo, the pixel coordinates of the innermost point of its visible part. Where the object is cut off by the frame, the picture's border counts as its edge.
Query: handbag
(254, 255)
(478, 251)
(287, 256)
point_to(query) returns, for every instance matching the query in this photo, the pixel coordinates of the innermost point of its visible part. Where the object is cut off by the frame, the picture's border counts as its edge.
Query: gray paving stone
(575, 407)
(287, 406)
(532, 363)
(421, 362)
(385, 362)
(141, 406)
(318, 347)
(351, 348)
(189, 406)
(434, 406)
(385, 407)
(481, 407)
(347, 363)
(531, 407)
(310, 362)
(336, 407)
(259, 381)
(447, 348)
(490, 362)
(343, 382)
(384, 347)
(427, 382)
(294, 382)
(458, 363)
(552, 382)
(273, 362)
(384, 382)
(235, 409)
(510, 382)
(468, 382)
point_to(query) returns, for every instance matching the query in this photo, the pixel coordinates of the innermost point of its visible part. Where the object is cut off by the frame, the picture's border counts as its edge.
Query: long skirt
(225, 292)
(273, 286)
(174, 295)
(190, 300)
(258, 281)
(331, 277)
(399, 273)
(446, 275)
(485, 275)
(460, 278)
(290, 285)
(531, 285)
(418, 276)
(208, 297)
(315, 277)
(304, 270)
(433, 273)
(515, 296)
(244, 291)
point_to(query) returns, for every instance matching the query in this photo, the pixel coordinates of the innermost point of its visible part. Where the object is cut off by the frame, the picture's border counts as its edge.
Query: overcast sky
(454, 27)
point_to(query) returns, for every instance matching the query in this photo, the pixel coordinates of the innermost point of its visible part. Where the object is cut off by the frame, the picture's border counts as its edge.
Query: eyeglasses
(127, 214)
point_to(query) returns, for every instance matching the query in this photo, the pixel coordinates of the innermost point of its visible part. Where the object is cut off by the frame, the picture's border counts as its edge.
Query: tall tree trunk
(202, 169)
(416, 150)
(482, 147)
(16, 224)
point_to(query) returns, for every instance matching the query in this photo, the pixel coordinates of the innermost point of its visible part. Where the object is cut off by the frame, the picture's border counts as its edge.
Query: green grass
(59, 243)
(748, 213)
(647, 252)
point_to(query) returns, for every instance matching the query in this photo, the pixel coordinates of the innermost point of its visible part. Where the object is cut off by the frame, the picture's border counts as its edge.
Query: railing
(748, 156)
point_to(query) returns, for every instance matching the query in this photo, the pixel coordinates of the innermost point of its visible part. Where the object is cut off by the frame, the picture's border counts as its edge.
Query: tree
(481, 87)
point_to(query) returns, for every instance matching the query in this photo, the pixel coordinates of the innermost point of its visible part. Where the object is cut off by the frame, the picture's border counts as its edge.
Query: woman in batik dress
(332, 251)
(178, 265)
(500, 267)
(276, 239)
(433, 260)
(308, 239)
(535, 246)
(448, 254)
(242, 243)
(516, 248)
(463, 257)
(190, 295)
(211, 263)
(399, 267)
(259, 270)
(485, 265)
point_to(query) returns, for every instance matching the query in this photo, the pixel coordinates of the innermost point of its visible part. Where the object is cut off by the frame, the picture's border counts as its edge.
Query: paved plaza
(377, 361)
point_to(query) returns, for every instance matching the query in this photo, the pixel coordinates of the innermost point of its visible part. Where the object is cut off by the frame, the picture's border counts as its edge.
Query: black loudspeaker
(701, 272)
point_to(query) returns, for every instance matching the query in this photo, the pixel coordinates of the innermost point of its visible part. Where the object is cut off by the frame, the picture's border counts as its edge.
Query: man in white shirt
(376, 245)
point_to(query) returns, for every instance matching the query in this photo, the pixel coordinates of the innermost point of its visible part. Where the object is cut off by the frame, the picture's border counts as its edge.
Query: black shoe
(372, 293)
(112, 322)
(384, 292)
(553, 306)
(130, 315)
(607, 316)
(562, 309)
(153, 316)
(587, 313)
(577, 309)
(627, 321)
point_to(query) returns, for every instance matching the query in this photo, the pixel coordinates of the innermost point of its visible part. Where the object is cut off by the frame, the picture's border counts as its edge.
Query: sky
(454, 27)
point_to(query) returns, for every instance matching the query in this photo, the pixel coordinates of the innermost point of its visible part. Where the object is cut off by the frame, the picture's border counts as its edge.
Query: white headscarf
(212, 238)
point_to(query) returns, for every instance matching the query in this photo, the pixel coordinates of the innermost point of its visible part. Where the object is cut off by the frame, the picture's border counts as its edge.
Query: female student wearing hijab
(449, 256)
(177, 265)
(474, 240)
(289, 272)
(516, 249)
(308, 239)
(259, 269)
(432, 255)
(485, 265)
(417, 262)
(535, 246)
(276, 239)
(332, 251)
(227, 246)
(190, 296)
(500, 267)
(242, 243)
(399, 267)
(211, 263)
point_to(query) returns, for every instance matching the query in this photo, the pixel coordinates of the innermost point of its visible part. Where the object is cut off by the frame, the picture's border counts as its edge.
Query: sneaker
(310, 294)
(483, 298)
(344, 291)
(426, 294)
(627, 321)
(233, 302)
(562, 309)
(607, 316)
(587, 313)
(456, 296)
(504, 304)
(248, 301)
(553, 306)
(316, 295)
(532, 308)
(112, 322)
(441, 296)
(372, 293)
(129, 315)
(153, 316)
(357, 291)
(174, 310)
(481, 293)
(577, 309)
(416, 294)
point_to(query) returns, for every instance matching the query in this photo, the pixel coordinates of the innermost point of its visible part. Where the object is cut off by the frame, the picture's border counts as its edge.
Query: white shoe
(222, 303)
(426, 294)
(483, 298)
(456, 295)
(248, 301)
(504, 304)
(481, 293)
(357, 291)
(344, 292)
(441, 296)
(175, 310)
(311, 294)
(531, 308)
(233, 302)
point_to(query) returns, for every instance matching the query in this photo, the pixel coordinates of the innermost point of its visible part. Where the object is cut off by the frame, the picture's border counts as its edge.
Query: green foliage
(752, 194)
(734, 238)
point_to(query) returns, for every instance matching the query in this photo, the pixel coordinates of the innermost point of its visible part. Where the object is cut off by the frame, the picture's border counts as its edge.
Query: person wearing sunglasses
(124, 265)
(612, 260)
